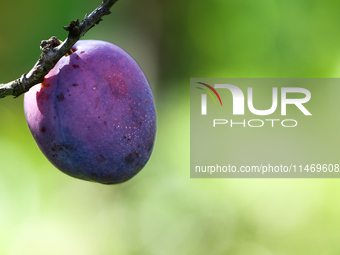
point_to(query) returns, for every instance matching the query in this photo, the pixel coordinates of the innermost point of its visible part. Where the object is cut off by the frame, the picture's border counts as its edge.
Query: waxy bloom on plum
(94, 115)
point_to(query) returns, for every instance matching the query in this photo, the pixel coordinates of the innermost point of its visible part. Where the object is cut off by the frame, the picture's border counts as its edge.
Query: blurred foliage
(162, 210)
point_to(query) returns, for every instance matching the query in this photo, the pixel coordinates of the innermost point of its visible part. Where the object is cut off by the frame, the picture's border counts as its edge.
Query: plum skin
(94, 116)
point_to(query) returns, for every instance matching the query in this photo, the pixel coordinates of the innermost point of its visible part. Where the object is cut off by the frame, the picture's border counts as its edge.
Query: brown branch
(53, 50)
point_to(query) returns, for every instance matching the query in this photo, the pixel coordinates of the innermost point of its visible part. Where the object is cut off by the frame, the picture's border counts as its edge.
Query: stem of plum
(52, 53)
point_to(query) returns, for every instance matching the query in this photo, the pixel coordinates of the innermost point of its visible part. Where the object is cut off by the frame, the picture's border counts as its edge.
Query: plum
(94, 115)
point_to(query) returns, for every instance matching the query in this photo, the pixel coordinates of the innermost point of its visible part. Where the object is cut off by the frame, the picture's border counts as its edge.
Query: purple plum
(94, 115)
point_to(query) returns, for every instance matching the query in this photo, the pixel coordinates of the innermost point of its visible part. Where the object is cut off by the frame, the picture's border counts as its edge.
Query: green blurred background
(162, 210)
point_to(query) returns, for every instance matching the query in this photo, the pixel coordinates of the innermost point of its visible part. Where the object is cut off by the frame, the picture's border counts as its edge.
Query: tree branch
(53, 50)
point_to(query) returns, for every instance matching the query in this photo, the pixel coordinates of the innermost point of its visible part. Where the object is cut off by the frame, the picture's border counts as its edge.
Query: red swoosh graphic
(213, 90)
